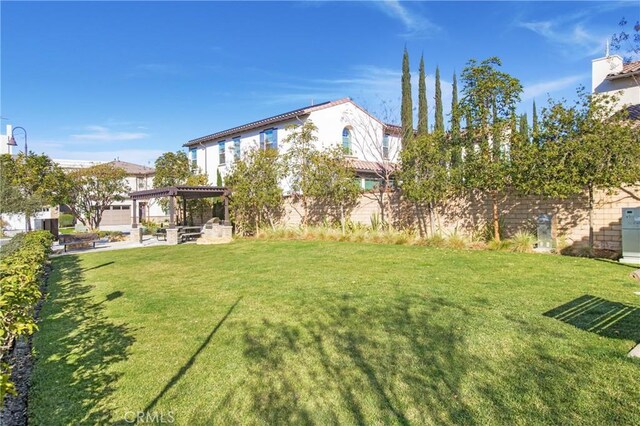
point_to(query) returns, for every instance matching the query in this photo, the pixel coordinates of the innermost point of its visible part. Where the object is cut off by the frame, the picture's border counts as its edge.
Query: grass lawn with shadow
(323, 332)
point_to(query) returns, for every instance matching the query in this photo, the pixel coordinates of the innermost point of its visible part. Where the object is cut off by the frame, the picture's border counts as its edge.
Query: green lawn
(312, 332)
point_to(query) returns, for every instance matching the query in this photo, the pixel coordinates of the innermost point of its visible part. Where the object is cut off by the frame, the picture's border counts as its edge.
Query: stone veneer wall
(468, 215)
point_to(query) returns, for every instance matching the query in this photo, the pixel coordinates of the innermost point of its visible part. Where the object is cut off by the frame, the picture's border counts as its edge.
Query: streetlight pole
(12, 142)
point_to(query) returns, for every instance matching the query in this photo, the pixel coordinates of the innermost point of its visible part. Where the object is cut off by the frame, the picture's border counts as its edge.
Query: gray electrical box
(546, 227)
(631, 235)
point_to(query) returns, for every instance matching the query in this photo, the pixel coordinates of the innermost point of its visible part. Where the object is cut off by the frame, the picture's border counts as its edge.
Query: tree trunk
(496, 216)
(306, 212)
(431, 220)
(344, 231)
(27, 222)
(591, 238)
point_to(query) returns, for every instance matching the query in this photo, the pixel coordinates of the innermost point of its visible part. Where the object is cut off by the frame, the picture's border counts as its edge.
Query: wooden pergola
(186, 193)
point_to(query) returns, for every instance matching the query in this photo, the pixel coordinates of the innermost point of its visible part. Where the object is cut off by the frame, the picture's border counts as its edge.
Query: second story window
(236, 149)
(221, 153)
(346, 140)
(141, 183)
(269, 139)
(193, 156)
(385, 147)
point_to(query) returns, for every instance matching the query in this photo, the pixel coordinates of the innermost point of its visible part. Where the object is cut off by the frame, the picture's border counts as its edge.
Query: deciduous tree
(90, 191)
(256, 198)
(489, 100)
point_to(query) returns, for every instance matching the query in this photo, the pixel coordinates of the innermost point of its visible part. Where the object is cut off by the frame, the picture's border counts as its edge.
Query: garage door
(116, 215)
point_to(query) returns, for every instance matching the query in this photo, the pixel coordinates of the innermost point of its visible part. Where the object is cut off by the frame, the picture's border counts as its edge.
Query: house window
(385, 146)
(193, 154)
(371, 183)
(141, 183)
(269, 139)
(221, 153)
(346, 140)
(236, 149)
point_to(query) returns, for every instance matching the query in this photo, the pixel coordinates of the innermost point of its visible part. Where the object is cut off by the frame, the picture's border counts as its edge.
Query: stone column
(136, 235)
(172, 236)
(134, 220)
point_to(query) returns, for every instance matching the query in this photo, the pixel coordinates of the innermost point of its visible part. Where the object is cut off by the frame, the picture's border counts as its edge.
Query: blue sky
(99, 80)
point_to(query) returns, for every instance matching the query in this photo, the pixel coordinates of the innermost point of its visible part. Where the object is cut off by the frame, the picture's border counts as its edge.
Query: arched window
(346, 140)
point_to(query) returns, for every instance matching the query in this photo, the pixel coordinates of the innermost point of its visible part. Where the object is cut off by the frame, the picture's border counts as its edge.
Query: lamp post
(12, 142)
(12, 139)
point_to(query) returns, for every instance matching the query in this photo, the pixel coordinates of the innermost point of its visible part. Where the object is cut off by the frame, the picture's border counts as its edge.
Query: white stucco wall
(367, 134)
(626, 88)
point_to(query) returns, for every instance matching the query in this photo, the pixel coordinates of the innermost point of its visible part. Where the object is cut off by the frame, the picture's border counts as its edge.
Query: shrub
(522, 242)
(21, 269)
(499, 245)
(65, 220)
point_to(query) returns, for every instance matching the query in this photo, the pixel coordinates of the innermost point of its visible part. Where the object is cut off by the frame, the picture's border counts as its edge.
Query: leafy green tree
(455, 135)
(586, 147)
(424, 173)
(523, 127)
(489, 100)
(423, 106)
(406, 107)
(256, 197)
(90, 191)
(172, 169)
(28, 184)
(300, 167)
(439, 113)
(333, 183)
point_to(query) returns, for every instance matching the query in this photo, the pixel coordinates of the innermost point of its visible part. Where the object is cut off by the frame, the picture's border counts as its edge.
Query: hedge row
(21, 268)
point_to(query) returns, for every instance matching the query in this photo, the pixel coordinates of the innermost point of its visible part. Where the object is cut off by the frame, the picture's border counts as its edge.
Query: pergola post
(184, 211)
(172, 211)
(226, 208)
(134, 219)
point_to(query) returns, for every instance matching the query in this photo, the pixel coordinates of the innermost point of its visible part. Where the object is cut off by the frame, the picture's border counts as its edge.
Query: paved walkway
(104, 245)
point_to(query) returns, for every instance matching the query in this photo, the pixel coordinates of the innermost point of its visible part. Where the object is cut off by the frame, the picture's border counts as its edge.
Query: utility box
(631, 235)
(546, 225)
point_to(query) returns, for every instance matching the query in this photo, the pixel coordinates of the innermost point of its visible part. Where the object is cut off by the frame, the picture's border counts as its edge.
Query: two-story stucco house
(369, 143)
(611, 75)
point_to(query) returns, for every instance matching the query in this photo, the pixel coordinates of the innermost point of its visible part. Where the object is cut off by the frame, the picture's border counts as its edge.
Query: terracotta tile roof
(627, 69)
(133, 169)
(378, 167)
(266, 121)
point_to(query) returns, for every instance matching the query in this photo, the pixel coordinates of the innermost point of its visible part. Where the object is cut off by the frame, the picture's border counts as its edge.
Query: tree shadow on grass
(76, 349)
(600, 316)
(394, 362)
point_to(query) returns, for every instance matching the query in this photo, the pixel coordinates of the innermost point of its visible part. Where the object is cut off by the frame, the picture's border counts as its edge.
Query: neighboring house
(611, 75)
(370, 144)
(5, 148)
(118, 215)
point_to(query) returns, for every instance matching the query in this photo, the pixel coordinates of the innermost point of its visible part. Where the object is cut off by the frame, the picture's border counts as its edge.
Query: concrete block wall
(468, 215)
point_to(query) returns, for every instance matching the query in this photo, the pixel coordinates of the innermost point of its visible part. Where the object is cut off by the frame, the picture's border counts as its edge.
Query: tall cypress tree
(406, 109)
(439, 125)
(455, 111)
(423, 120)
(456, 143)
(535, 119)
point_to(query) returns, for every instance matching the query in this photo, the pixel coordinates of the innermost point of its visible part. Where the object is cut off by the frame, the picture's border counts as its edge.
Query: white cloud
(572, 39)
(532, 91)
(415, 23)
(105, 134)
